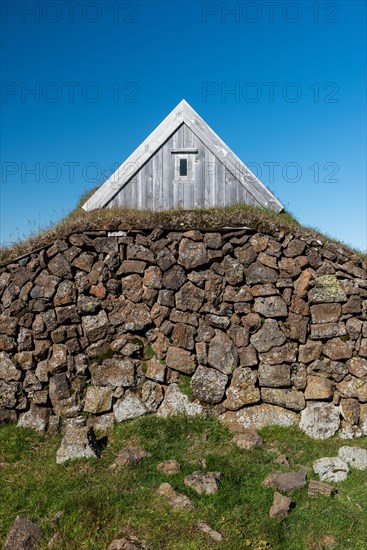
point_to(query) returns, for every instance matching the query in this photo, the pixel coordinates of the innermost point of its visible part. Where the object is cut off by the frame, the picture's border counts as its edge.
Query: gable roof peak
(183, 113)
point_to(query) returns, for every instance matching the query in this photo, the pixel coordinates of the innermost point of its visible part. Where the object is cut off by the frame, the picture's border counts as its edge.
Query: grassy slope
(260, 219)
(98, 502)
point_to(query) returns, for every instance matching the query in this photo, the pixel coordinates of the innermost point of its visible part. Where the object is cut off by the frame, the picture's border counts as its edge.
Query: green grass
(98, 501)
(260, 219)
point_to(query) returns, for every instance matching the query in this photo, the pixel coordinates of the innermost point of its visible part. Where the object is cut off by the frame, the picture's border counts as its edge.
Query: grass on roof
(262, 220)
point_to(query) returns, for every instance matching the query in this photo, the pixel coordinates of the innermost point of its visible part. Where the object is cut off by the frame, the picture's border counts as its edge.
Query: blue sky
(282, 83)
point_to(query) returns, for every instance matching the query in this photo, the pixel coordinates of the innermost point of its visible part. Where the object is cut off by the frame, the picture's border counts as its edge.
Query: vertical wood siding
(154, 186)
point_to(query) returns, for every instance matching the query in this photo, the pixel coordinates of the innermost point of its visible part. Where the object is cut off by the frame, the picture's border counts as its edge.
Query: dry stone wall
(259, 329)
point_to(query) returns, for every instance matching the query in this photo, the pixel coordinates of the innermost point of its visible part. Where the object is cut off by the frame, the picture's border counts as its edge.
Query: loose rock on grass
(280, 507)
(24, 535)
(176, 500)
(287, 482)
(203, 482)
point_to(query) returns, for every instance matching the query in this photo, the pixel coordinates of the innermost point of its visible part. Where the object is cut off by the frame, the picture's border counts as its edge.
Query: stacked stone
(265, 326)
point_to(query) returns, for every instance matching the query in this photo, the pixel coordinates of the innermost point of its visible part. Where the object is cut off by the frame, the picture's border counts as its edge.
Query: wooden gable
(182, 164)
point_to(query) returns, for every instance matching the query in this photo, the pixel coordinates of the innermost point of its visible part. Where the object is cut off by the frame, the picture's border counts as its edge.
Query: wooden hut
(182, 164)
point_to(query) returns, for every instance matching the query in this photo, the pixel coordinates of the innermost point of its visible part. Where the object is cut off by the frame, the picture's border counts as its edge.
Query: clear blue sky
(104, 74)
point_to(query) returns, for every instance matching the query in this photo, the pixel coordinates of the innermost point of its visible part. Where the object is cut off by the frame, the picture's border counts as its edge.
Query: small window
(183, 167)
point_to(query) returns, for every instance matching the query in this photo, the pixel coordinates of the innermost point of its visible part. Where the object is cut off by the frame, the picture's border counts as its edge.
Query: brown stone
(60, 267)
(337, 349)
(8, 325)
(84, 262)
(325, 313)
(274, 376)
(45, 285)
(299, 306)
(358, 367)
(290, 267)
(354, 328)
(131, 266)
(252, 322)
(9, 393)
(208, 384)
(310, 351)
(268, 336)
(184, 317)
(302, 284)
(131, 455)
(8, 370)
(23, 535)
(153, 277)
(260, 242)
(95, 326)
(270, 306)
(67, 314)
(190, 297)
(105, 245)
(36, 418)
(223, 354)
(169, 467)
(287, 482)
(295, 327)
(183, 336)
(363, 348)
(246, 255)
(335, 370)
(233, 271)
(281, 506)
(180, 359)
(248, 440)
(242, 390)
(319, 388)
(65, 294)
(7, 343)
(151, 395)
(259, 273)
(266, 289)
(248, 356)
(203, 482)
(131, 287)
(282, 354)
(267, 260)
(350, 410)
(319, 488)
(213, 240)
(205, 528)
(327, 330)
(98, 399)
(139, 252)
(353, 305)
(176, 500)
(354, 387)
(294, 248)
(298, 376)
(192, 254)
(289, 399)
(158, 314)
(136, 316)
(114, 372)
(258, 416)
(165, 259)
(99, 291)
(155, 370)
